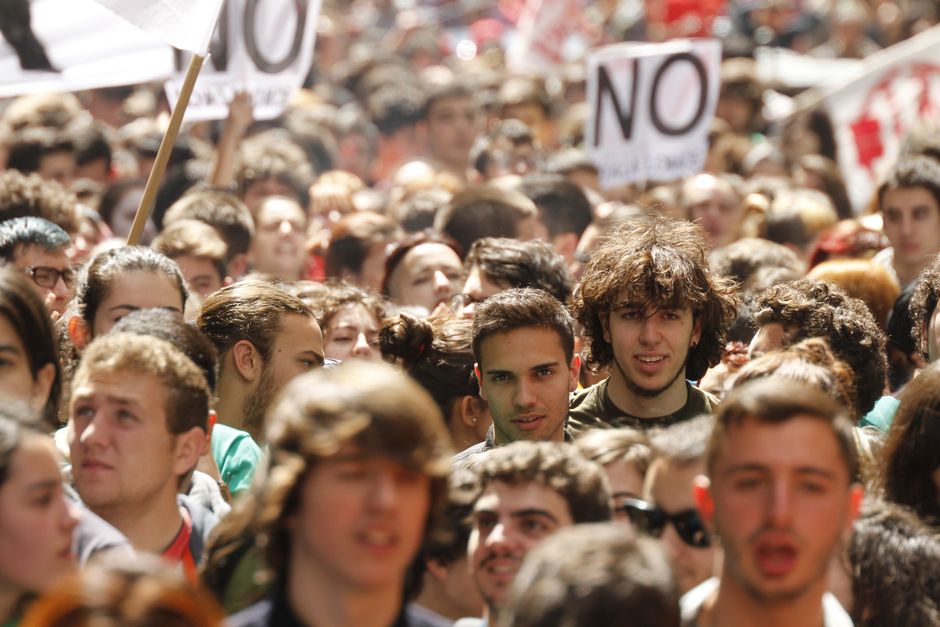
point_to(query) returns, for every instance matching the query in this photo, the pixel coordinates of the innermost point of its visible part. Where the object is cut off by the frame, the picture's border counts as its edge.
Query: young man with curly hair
(654, 314)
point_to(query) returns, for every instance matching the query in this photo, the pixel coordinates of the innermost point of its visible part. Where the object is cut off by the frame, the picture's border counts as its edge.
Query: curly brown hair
(31, 195)
(923, 302)
(659, 262)
(818, 309)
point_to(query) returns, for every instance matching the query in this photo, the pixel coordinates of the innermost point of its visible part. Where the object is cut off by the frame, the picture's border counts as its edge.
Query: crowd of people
(397, 358)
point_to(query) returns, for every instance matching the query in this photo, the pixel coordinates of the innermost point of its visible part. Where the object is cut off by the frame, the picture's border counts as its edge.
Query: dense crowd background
(420, 204)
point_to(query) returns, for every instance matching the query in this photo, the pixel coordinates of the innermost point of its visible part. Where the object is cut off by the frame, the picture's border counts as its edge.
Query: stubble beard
(644, 392)
(256, 404)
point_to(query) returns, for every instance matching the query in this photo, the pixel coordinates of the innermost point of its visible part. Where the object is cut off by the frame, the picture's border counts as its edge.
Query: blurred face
(257, 191)
(427, 276)
(56, 294)
(453, 125)
(711, 204)
(200, 273)
(912, 225)
(508, 522)
(122, 219)
(352, 333)
(477, 288)
(360, 521)
(650, 347)
(16, 379)
(278, 245)
(297, 348)
(526, 377)
(533, 116)
(36, 521)
(138, 289)
(58, 166)
(670, 489)
(123, 455)
(780, 499)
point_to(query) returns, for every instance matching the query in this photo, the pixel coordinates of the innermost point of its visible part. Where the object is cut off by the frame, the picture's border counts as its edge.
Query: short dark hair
(521, 264)
(582, 484)
(483, 211)
(394, 107)
(352, 238)
(915, 171)
(660, 262)
(817, 309)
(30, 144)
(521, 308)
(776, 400)
(30, 231)
(594, 575)
(247, 310)
(563, 205)
(446, 91)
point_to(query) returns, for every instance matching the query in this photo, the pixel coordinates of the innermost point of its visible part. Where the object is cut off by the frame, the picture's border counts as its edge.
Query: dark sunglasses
(47, 277)
(651, 520)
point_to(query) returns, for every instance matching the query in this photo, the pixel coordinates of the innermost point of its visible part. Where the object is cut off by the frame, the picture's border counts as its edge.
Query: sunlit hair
(142, 593)
(606, 446)
(776, 400)
(866, 280)
(912, 453)
(656, 262)
(521, 308)
(924, 302)
(560, 467)
(371, 406)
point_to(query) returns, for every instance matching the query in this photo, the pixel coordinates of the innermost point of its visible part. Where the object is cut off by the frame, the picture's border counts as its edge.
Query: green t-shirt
(236, 454)
(593, 409)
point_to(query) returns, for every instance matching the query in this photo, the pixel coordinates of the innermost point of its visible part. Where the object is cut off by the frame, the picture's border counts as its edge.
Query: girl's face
(139, 289)
(36, 520)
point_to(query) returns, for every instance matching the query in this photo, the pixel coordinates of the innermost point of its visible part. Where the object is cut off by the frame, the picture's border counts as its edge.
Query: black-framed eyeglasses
(47, 277)
(651, 520)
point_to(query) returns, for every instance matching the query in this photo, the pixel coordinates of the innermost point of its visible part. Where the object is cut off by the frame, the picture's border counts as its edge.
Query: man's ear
(437, 570)
(574, 372)
(857, 493)
(702, 493)
(247, 360)
(188, 450)
(696, 332)
(476, 373)
(605, 325)
(78, 332)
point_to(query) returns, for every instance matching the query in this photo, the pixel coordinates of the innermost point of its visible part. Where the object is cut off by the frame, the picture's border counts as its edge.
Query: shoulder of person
(257, 615)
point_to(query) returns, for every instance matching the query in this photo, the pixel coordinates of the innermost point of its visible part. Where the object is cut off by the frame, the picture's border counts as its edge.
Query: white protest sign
(543, 28)
(651, 105)
(871, 115)
(69, 45)
(264, 47)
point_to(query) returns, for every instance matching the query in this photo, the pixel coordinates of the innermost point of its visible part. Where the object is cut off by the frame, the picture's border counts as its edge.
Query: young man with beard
(781, 496)
(523, 343)
(527, 491)
(655, 315)
(265, 337)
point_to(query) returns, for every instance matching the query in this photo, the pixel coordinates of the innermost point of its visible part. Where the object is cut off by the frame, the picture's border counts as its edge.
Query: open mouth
(776, 560)
(529, 422)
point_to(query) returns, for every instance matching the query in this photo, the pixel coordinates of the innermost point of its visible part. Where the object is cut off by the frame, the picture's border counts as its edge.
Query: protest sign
(264, 47)
(185, 24)
(651, 105)
(69, 45)
(871, 114)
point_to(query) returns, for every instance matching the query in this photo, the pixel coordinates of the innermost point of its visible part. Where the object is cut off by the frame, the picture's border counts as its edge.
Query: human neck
(149, 526)
(316, 598)
(907, 272)
(667, 402)
(731, 605)
(434, 598)
(231, 402)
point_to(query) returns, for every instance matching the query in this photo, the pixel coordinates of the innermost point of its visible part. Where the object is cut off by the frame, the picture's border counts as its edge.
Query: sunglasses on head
(651, 520)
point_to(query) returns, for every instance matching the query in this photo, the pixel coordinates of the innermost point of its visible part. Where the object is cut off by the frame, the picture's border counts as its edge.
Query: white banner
(871, 115)
(543, 28)
(69, 45)
(262, 47)
(185, 24)
(651, 105)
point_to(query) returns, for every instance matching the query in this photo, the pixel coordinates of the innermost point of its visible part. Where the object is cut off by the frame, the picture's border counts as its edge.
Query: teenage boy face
(508, 522)
(360, 521)
(526, 377)
(912, 224)
(780, 499)
(650, 346)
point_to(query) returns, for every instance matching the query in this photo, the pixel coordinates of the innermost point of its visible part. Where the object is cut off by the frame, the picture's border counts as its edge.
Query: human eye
(44, 498)
(533, 526)
(125, 416)
(343, 338)
(629, 314)
(485, 522)
(746, 483)
(421, 279)
(811, 486)
(892, 215)
(544, 372)
(670, 315)
(83, 411)
(308, 364)
(499, 377)
(351, 471)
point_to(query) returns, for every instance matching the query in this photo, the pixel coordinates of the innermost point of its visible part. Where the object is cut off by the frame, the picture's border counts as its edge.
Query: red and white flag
(871, 114)
(184, 24)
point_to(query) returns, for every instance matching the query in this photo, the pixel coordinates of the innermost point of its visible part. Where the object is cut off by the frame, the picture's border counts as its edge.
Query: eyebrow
(10, 348)
(800, 470)
(44, 484)
(533, 511)
(109, 398)
(319, 356)
(128, 307)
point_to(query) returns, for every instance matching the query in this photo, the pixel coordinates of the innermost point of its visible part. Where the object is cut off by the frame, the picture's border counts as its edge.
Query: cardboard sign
(264, 47)
(651, 105)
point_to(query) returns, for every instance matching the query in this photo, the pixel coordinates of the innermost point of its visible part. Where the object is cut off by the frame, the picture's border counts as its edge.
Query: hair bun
(405, 337)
